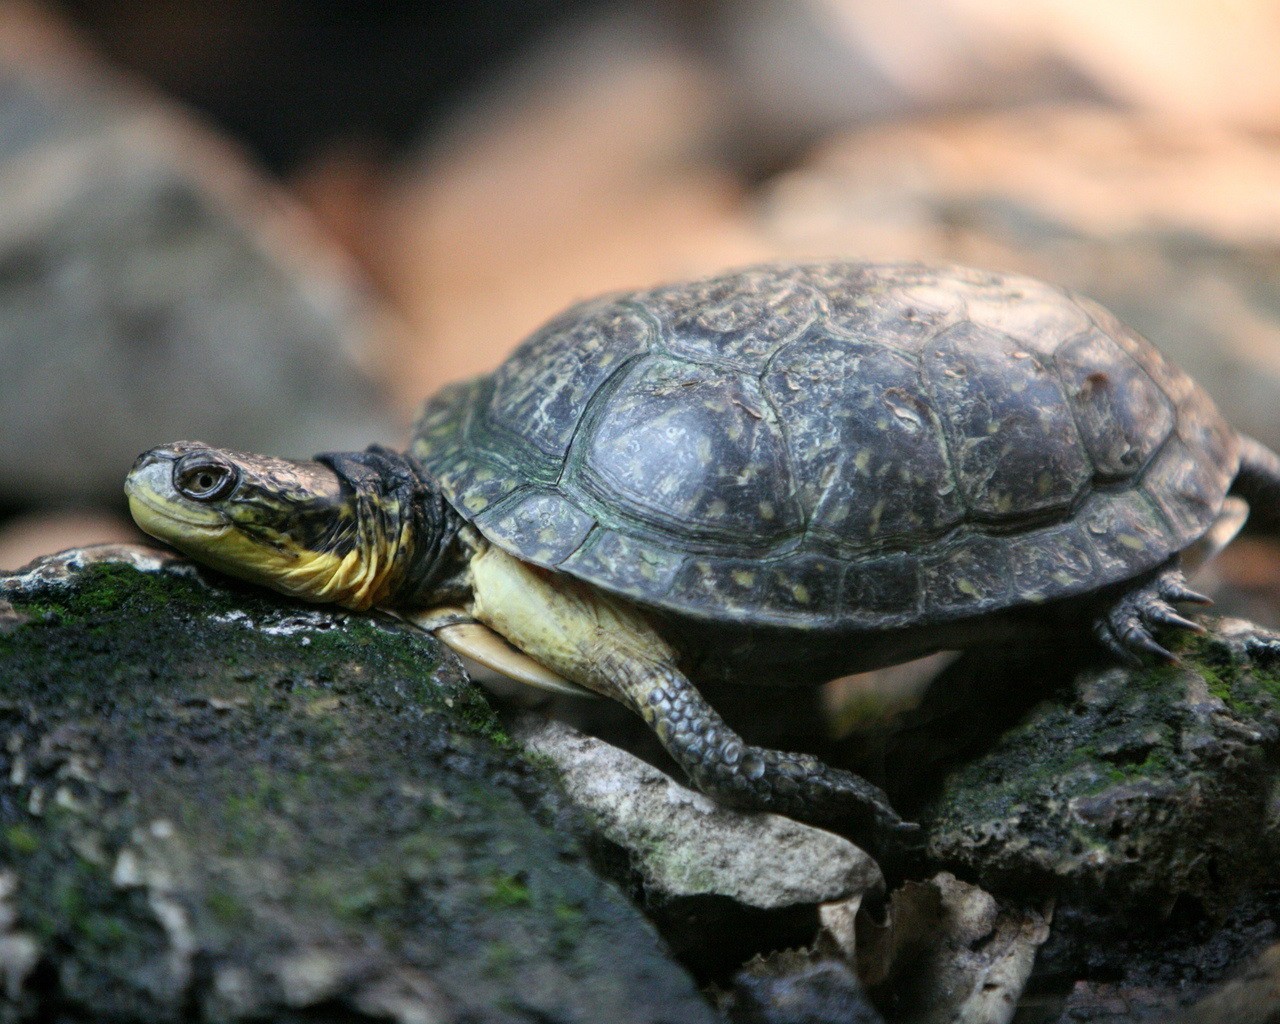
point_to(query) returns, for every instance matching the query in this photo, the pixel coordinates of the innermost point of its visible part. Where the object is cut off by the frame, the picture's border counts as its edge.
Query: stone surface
(722, 884)
(951, 953)
(799, 987)
(217, 805)
(1100, 967)
(1172, 227)
(152, 287)
(1136, 786)
(1252, 997)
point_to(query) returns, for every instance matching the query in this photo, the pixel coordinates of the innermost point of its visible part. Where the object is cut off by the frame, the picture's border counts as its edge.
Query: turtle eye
(204, 478)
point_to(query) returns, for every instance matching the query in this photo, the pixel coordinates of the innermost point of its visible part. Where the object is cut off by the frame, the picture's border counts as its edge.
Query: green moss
(102, 930)
(327, 777)
(508, 891)
(21, 839)
(500, 959)
(226, 908)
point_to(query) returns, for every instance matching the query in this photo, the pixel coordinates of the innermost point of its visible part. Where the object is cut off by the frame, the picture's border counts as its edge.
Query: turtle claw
(1173, 587)
(1125, 628)
(1166, 616)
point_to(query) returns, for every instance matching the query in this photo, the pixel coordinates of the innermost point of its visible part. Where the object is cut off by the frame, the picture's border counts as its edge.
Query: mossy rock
(1137, 786)
(218, 805)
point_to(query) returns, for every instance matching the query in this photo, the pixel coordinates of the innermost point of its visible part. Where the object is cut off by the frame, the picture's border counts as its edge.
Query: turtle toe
(1127, 627)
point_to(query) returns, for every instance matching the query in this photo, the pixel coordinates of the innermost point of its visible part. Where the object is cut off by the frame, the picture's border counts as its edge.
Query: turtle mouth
(159, 511)
(166, 522)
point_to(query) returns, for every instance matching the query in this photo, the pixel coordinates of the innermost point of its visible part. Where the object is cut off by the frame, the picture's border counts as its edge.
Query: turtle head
(352, 528)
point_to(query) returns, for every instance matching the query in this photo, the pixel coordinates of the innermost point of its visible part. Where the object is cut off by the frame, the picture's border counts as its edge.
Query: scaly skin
(722, 765)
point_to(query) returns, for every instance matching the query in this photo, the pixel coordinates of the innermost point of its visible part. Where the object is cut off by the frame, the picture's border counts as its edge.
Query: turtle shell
(835, 446)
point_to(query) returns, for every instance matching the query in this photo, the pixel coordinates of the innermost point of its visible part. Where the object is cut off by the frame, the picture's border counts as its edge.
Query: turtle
(776, 476)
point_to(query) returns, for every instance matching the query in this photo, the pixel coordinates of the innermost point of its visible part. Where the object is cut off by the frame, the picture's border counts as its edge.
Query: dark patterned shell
(836, 446)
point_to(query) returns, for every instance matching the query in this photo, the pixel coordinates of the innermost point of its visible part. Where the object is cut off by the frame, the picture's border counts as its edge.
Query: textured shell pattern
(835, 446)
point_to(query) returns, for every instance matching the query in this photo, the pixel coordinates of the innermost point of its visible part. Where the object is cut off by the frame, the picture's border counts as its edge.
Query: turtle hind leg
(1125, 628)
(728, 769)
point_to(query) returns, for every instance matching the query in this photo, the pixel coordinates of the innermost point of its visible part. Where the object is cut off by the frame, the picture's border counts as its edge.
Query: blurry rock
(722, 884)
(798, 987)
(1175, 228)
(799, 69)
(292, 77)
(152, 287)
(25, 537)
(588, 171)
(218, 805)
(952, 954)
(1134, 787)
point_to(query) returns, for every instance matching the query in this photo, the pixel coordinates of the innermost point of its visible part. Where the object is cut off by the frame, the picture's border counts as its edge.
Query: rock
(1173, 227)
(218, 805)
(1253, 997)
(1135, 786)
(799, 69)
(1100, 967)
(950, 953)
(24, 538)
(153, 286)
(721, 884)
(799, 987)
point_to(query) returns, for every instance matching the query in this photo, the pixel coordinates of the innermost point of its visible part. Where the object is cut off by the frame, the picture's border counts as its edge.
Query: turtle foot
(801, 786)
(1125, 628)
(729, 770)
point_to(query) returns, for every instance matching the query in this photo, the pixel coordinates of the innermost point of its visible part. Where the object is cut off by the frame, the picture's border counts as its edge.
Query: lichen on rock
(1140, 785)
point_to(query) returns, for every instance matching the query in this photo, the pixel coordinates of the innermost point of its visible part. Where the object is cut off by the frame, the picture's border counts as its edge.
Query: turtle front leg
(607, 646)
(728, 769)
(1125, 628)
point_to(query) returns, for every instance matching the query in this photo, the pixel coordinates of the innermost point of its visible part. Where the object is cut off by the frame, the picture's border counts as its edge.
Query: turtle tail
(1258, 482)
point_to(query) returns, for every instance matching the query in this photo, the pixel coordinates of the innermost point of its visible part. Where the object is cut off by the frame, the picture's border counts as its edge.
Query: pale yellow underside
(578, 633)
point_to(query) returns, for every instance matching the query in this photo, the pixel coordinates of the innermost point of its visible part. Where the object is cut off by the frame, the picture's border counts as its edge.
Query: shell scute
(1183, 487)
(1125, 529)
(1036, 316)
(802, 584)
(736, 320)
(867, 448)
(637, 567)
(1044, 563)
(1123, 417)
(904, 310)
(971, 572)
(542, 523)
(1011, 434)
(693, 447)
(884, 588)
(541, 393)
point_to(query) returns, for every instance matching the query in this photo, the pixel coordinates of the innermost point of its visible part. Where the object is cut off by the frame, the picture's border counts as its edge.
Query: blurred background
(278, 226)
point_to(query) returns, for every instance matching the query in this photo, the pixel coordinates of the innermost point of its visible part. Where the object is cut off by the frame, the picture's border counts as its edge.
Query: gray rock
(799, 987)
(722, 884)
(153, 287)
(218, 805)
(1137, 785)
